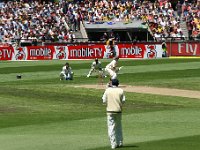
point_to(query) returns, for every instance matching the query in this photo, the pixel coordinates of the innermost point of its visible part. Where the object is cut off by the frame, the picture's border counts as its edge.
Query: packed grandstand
(59, 21)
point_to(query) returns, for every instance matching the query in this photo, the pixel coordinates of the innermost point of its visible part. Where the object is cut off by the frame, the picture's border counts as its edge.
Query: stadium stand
(65, 21)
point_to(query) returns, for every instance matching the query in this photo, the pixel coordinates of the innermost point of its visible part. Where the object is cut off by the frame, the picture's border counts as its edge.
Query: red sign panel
(86, 51)
(40, 52)
(131, 50)
(6, 53)
(184, 49)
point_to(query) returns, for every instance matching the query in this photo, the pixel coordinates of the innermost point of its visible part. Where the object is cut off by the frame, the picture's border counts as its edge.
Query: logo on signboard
(21, 55)
(151, 51)
(6, 53)
(85, 51)
(61, 52)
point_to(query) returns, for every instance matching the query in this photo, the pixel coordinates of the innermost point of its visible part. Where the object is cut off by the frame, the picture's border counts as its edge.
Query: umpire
(114, 97)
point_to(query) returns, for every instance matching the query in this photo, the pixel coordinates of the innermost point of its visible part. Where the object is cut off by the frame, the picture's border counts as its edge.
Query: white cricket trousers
(113, 74)
(65, 76)
(115, 129)
(91, 71)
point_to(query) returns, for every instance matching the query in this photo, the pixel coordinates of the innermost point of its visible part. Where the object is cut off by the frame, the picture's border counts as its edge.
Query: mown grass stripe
(51, 114)
(143, 127)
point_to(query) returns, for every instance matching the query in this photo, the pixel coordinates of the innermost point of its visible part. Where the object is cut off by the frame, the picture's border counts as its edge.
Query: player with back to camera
(96, 67)
(114, 98)
(66, 73)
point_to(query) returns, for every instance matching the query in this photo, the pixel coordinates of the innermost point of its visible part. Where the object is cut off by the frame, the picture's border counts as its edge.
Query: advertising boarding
(184, 49)
(85, 51)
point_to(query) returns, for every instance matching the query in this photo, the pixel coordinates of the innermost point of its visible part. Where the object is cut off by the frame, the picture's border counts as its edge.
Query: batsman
(112, 68)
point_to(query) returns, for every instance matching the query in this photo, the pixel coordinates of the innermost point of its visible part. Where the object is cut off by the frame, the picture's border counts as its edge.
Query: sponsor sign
(6, 53)
(153, 51)
(86, 51)
(60, 52)
(20, 53)
(150, 51)
(184, 49)
(131, 50)
(40, 52)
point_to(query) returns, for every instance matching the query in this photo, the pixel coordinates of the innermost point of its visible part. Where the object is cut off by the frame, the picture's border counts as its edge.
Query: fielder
(96, 67)
(66, 73)
(112, 68)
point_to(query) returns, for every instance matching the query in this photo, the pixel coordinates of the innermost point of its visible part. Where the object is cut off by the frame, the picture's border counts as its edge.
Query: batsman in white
(112, 68)
(66, 73)
(96, 67)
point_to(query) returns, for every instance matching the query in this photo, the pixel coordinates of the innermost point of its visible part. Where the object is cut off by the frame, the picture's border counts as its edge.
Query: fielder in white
(114, 98)
(96, 67)
(112, 68)
(66, 73)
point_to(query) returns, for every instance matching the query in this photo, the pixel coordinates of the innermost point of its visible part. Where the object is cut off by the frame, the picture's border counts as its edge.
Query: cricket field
(40, 112)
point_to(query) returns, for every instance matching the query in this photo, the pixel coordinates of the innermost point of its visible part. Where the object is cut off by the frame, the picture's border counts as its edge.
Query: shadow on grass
(180, 143)
(129, 147)
(133, 147)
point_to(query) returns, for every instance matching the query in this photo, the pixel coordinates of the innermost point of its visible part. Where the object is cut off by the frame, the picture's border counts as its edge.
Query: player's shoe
(61, 77)
(88, 76)
(113, 146)
(120, 145)
(121, 67)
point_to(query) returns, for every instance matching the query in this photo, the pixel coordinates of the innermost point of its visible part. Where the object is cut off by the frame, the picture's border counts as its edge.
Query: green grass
(39, 112)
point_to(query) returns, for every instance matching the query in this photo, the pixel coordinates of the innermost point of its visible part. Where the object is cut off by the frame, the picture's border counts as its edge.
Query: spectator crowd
(165, 23)
(191, 14)
(42, 21)
(37, 21)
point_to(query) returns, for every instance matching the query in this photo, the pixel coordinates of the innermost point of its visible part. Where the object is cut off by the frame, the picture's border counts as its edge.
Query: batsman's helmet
(96, 59)
(115, 82)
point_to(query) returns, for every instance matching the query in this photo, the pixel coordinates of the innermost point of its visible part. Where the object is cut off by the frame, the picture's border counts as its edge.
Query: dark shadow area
(180, 143)
(129, 146)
